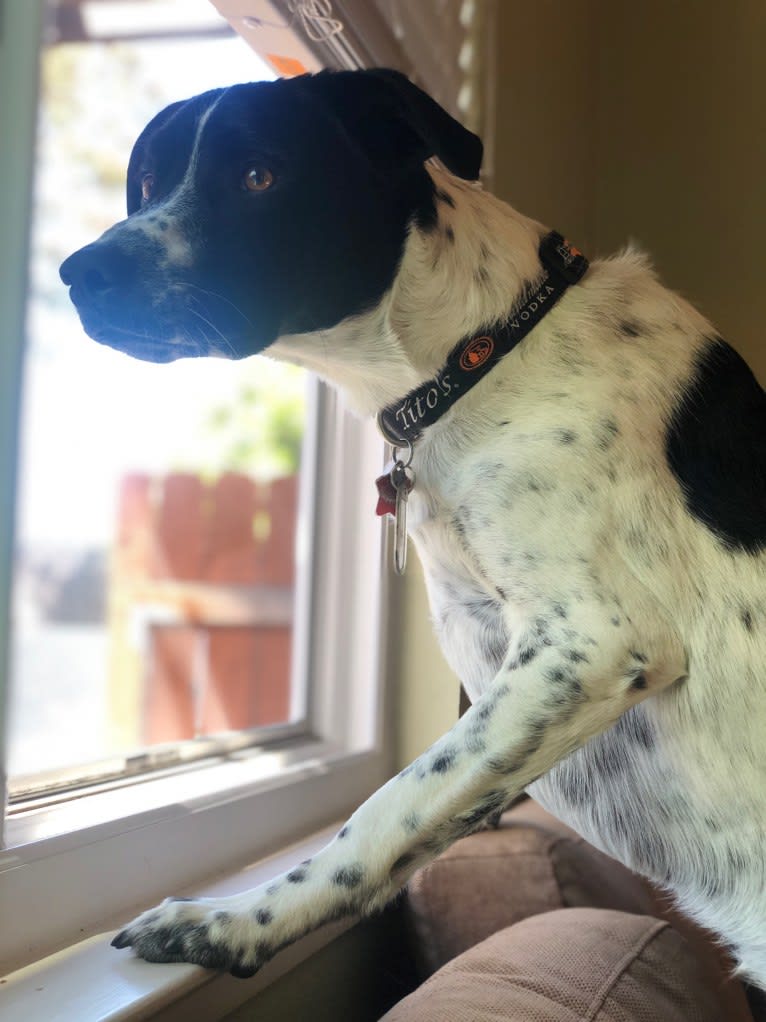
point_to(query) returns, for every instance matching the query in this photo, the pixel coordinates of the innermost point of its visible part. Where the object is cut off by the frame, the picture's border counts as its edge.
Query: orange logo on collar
(476, 353)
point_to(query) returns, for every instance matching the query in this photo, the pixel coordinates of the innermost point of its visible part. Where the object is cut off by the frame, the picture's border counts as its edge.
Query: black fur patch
(716, 448)
(607, 432)
(444, 761)
(629, 329)
(264, 916)
(491, 803)
(348, 876)
(526, 656)
(347, 151)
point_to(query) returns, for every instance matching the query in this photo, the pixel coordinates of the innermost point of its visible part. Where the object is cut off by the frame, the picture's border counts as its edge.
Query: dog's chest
(468, 613)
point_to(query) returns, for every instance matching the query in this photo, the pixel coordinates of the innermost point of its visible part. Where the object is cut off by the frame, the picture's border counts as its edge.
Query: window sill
(91, 982)
(63, 887)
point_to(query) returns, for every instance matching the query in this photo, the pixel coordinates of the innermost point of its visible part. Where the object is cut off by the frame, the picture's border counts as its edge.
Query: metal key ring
(410, 453)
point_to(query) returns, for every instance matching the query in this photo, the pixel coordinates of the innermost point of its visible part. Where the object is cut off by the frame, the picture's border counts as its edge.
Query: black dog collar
(472, 358)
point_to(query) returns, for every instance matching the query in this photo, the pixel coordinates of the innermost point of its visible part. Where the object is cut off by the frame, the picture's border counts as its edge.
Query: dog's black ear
(135, 164)
(398, 123)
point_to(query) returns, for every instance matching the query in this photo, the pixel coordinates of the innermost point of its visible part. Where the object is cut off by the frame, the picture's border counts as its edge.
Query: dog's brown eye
(147, 186)
(257, 179)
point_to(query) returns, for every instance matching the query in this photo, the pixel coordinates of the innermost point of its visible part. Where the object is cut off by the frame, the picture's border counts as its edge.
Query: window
(129, 786)
(195, 576)
(154, 575)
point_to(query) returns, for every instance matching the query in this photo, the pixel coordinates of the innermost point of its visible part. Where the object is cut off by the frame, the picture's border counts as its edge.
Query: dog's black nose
(94, 270)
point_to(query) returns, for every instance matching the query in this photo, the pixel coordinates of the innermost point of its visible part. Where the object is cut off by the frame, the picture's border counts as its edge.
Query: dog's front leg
(555, 691)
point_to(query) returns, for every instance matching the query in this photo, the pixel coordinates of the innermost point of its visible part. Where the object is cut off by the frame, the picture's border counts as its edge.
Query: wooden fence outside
(201, 606)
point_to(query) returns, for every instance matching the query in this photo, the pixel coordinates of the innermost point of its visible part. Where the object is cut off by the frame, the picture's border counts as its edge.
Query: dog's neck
(455, 278)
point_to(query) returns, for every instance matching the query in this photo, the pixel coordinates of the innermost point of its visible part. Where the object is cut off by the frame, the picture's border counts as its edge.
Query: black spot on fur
(566, 436)
(639, 683)
(630, 329)
(716, 448)
(264, 916)
(348, 876)
(526, 655)
(403, 862)
(747, 620)
(640, 657)
(343, 831)
(564, 676)
(444, 761)
(296, 876)
(445, 197)
(411, 822)
(449, 234)
(474, 737)
(560, 611)
(490, 804)
(576, 657)
(607, 432)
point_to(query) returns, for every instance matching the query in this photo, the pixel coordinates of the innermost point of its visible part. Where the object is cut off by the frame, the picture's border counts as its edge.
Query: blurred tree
(258, 430)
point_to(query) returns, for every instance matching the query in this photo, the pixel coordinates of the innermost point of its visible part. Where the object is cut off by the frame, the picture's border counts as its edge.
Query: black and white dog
(591, 514)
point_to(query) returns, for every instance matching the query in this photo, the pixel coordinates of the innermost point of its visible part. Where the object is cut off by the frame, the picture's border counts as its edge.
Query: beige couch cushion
(531, 863)
(570, 965)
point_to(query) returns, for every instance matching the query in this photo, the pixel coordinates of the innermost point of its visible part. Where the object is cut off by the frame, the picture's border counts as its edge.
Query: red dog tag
(386, 495)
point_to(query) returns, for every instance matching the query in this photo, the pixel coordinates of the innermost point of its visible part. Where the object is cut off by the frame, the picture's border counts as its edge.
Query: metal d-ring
(410, 452)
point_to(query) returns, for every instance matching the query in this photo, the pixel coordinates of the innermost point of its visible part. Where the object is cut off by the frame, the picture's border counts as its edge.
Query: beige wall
(618, 121)
(645, 121)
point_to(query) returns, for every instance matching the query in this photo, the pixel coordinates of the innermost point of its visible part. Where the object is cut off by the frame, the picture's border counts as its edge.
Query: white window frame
(77, 864)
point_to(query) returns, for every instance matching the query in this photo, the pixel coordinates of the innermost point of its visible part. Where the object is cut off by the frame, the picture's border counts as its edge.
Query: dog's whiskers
(227, 343)
(188, 286)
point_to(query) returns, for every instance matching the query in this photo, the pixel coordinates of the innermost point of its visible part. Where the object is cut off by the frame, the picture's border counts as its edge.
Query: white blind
(444, 46)
(436, 43)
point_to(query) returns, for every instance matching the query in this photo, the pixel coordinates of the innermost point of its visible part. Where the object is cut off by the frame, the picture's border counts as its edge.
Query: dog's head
(265, 209)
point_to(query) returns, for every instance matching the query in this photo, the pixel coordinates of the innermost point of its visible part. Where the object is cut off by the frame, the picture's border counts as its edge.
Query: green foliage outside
(258, 431)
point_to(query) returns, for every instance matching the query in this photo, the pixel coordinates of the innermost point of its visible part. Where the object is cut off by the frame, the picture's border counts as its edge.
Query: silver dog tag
(402, 479)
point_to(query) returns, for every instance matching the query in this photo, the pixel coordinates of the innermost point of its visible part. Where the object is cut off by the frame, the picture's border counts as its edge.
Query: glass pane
(155, 567)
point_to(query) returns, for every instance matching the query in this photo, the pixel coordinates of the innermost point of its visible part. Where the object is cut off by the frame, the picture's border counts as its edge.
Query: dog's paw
(200, 932)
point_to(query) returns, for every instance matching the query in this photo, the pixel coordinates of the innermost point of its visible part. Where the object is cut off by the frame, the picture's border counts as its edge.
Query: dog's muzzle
(117, 308)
